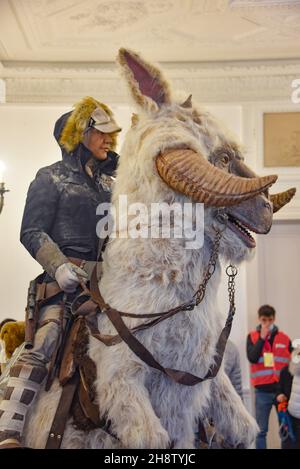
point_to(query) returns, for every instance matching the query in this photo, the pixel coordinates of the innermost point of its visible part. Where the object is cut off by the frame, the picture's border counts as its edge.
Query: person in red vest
(268, 351)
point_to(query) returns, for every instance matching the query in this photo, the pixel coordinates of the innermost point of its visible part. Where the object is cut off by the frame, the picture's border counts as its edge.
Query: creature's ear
(145, 80)
(188, 102)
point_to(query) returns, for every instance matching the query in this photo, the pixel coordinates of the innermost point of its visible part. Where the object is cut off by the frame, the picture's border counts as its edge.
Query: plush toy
(12, 334)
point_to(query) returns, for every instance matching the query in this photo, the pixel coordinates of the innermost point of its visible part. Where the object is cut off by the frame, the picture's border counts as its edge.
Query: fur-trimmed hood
(75, 123)
(59, 126)
(81, 153)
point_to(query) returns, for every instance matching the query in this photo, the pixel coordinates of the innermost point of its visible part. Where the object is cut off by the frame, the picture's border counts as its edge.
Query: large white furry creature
(172, 153)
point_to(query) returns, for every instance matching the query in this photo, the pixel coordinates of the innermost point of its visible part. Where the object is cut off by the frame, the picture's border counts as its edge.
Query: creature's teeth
(241, 227)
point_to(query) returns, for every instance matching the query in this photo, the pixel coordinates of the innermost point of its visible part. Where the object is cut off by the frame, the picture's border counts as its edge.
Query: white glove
(68, 276)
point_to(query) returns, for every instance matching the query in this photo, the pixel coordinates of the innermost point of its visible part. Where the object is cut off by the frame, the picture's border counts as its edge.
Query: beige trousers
(46, 337)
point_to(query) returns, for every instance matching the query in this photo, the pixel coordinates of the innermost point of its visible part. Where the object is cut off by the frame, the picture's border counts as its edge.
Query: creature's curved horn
(191, 174)
(187, 103)
(282, 198)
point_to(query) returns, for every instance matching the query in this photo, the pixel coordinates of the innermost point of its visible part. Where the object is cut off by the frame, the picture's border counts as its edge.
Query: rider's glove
(68, 276)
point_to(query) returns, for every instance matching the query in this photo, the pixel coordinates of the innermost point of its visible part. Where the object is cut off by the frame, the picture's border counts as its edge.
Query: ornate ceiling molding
(48, 82)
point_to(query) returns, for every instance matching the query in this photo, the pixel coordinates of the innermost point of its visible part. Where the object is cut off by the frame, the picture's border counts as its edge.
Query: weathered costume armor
(59, 225)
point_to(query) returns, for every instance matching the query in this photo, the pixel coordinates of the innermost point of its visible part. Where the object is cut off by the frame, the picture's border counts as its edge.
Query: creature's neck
(153, 274)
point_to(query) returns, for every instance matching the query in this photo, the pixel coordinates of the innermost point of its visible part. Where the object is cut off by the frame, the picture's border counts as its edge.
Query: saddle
(77, 376)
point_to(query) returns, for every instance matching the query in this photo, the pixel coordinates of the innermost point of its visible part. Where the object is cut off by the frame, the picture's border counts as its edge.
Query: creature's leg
(263, 406)
(187, 439)
(99, 439)
(26, 378)
(131, 414)
(184, 415)
(177, 419)
(231, 419)
(124, 400)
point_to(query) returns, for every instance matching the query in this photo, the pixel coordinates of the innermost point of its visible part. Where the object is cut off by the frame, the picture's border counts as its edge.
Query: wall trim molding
(222, 82)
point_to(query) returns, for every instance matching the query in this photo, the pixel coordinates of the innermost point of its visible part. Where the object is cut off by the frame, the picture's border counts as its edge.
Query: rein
(125, 334)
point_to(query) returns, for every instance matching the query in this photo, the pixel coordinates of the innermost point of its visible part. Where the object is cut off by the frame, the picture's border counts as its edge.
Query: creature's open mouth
(240, 228)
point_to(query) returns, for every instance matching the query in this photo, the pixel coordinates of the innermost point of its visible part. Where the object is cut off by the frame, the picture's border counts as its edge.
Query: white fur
(147, 409)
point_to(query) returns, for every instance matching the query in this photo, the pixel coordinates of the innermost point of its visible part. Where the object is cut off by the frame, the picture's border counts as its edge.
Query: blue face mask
(271, 327)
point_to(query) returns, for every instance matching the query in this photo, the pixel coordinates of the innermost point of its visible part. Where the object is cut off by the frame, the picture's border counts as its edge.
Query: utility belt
(41, 293)
(47, 290)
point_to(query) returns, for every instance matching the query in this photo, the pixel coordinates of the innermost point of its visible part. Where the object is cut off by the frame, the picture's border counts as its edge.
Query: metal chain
(211, 267)
(231, 272)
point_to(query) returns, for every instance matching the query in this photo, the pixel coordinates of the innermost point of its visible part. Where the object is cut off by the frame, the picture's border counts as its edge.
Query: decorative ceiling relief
(164, 30)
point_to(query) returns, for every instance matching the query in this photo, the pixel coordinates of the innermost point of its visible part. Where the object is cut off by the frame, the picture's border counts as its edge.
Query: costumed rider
(59, 231)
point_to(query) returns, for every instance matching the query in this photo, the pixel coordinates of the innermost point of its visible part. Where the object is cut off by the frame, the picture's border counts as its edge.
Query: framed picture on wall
(281, 139)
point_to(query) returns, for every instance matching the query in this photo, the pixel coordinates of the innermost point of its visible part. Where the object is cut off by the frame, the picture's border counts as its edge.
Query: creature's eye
(197, 119)
(224, 159)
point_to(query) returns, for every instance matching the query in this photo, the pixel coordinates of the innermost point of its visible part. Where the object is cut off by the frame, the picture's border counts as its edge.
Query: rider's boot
(23, 385)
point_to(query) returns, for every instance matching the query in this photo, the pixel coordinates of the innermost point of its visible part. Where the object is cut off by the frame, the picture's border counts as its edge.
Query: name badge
(268, 359)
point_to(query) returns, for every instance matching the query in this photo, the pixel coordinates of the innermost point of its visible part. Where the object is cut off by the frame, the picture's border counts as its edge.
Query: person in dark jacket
(283, 396)
(232, 367)
(59, 231)
(268, 351)
(289, 394)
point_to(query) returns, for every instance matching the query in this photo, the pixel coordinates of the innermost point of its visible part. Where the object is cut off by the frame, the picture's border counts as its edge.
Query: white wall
(26, 145)
(279, 275)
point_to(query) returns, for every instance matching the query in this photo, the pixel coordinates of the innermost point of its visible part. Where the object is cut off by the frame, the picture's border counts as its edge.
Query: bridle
(128, 335)
(90, 316)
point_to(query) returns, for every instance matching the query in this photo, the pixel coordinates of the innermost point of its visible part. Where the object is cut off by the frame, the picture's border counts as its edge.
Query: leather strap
(47, 321)
(79, 262)
(62, 412)
(90, 410)
(181, 377)
(51, 289)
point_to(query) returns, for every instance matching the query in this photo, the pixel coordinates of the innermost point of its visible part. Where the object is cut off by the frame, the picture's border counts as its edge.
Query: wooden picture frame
(255, 141)
(281, 139)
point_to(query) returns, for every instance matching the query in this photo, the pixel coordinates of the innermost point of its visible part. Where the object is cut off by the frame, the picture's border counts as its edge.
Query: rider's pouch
(72, 350)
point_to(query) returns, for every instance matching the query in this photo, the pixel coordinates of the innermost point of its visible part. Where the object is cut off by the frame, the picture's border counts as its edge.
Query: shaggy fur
(147, 409)
(76, 124)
